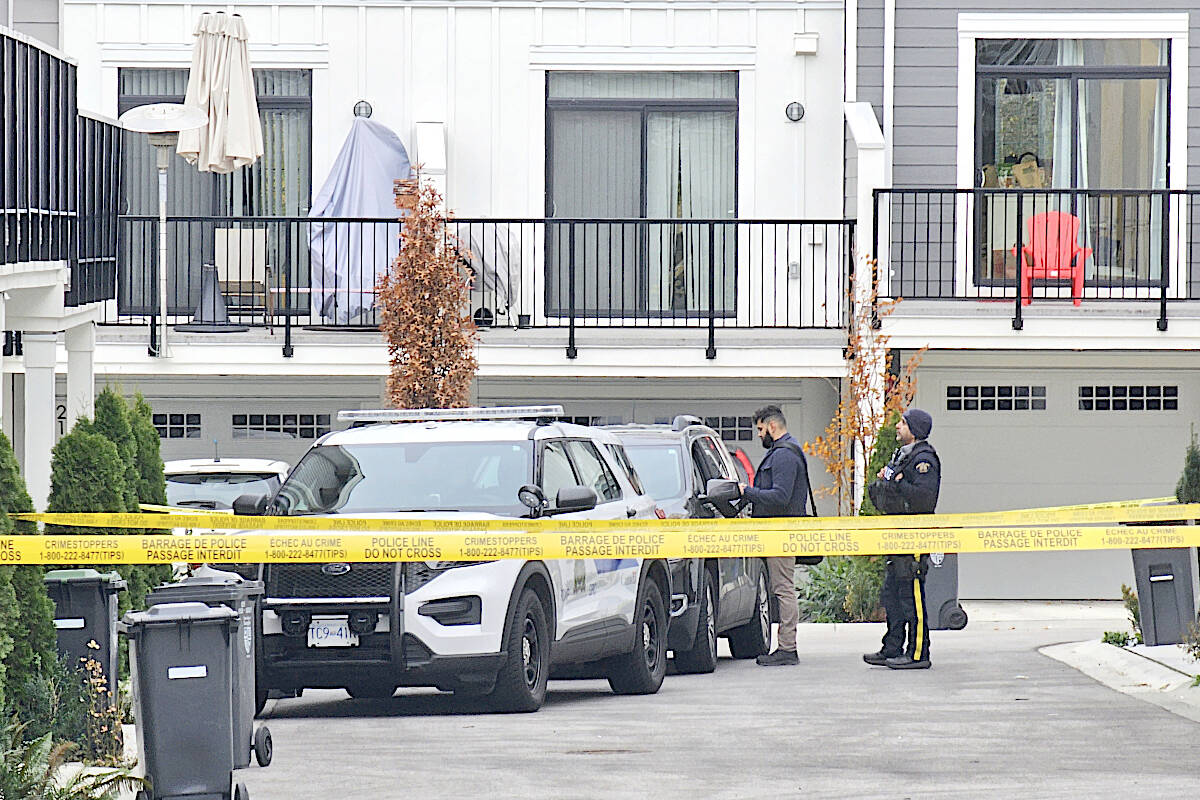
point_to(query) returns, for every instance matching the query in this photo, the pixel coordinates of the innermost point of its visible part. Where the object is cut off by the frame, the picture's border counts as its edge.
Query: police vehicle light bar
(449, 414)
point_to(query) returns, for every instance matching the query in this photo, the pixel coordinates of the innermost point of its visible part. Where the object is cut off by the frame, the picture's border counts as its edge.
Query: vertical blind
(278, 184)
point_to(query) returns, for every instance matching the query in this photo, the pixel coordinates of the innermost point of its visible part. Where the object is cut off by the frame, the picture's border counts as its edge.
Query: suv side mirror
(720, 490)
(251, 505)
(576, 498)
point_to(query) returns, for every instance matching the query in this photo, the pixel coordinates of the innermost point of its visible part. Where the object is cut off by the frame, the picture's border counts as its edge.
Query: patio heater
(163, 122)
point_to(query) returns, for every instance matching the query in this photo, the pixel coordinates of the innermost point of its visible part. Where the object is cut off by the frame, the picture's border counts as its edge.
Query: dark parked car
(710, 597)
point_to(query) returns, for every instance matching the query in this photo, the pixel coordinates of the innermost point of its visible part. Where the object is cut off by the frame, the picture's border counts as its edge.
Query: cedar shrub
(28, 642)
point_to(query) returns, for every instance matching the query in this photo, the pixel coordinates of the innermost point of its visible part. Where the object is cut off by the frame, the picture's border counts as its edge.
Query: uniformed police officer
(908, 484)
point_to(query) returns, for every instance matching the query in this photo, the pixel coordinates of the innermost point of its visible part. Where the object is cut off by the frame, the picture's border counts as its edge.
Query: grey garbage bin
(181, 658)
(941, 593)
(1166, 587)
(85, 611)
(215, 587)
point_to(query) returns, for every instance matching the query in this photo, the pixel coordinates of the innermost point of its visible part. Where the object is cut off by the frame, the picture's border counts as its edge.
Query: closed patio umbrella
(221, 85)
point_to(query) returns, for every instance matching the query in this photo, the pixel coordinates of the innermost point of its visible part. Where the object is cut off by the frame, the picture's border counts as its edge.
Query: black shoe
(780, 658)
(879, 659)
(906, 662)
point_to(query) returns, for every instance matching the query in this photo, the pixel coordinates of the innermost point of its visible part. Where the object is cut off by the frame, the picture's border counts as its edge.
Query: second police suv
(490, 629)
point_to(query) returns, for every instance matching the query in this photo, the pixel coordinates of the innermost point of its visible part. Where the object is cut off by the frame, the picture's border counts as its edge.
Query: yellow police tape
(322, 539)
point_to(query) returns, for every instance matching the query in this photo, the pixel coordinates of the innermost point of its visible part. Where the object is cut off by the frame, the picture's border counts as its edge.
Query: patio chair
(1051, 252)
(240, 255)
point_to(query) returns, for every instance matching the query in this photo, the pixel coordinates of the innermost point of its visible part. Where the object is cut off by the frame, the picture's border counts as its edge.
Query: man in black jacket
(780, 490)
(909, 484)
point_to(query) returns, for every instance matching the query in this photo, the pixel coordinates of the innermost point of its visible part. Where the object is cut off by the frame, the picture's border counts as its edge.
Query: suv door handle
(631, 512)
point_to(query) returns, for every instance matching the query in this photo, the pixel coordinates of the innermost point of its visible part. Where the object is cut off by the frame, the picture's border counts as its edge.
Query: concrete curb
(1132, 673)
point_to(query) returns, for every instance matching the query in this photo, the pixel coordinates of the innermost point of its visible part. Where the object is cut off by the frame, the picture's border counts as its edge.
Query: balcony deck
(568, 283)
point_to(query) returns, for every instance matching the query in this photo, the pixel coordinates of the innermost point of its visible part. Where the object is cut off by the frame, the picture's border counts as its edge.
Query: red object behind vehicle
(743, 463)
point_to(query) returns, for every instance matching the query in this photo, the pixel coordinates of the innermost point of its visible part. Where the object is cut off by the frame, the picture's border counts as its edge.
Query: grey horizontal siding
(869, 76)
(924, 136)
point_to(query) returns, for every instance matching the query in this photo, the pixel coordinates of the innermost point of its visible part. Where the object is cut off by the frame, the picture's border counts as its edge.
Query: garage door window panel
(996, 398)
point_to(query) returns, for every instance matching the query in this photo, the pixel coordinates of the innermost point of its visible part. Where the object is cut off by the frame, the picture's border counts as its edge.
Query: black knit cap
(919, 422)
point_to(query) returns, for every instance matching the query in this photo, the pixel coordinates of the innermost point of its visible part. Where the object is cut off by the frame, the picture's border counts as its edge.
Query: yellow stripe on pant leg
(920, 648)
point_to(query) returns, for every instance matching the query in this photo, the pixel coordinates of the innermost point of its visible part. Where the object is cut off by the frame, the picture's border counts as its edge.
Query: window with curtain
(659, 146)
(1087, 115)
(278, 184)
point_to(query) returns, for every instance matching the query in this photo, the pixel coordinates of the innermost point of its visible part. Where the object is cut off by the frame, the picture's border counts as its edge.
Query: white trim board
(551, 57)
(1060, 25)
(262, 56)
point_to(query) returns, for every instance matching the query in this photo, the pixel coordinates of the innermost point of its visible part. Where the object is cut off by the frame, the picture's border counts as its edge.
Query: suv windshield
(660, 467)
(418, 476)
(217, 489)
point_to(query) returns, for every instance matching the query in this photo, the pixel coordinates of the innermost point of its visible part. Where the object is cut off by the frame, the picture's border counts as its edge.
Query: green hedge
(27, 635)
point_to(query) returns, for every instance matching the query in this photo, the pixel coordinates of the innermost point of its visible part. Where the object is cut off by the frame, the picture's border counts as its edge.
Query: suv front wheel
(521, 682)
(703, 655)
(754, 638)
(641, 670)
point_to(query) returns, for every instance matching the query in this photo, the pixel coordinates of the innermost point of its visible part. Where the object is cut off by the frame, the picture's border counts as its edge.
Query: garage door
(1012, 438)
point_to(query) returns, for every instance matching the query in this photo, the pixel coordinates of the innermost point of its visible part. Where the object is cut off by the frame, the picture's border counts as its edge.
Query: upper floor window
(1072, 113)
(630, 145)
(278, 184)
(1082, 125)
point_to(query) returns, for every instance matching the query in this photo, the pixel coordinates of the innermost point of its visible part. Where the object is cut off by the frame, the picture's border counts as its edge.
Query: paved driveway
(993, 718)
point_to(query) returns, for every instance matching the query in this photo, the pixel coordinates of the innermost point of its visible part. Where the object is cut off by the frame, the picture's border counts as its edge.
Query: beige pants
(782, 573)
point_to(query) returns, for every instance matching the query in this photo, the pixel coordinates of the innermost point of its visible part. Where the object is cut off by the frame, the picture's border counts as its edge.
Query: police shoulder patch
(923, 467)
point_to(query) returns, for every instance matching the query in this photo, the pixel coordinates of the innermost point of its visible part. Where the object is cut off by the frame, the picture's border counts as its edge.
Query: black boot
(780, 658)
(906, 662)
(879, 659)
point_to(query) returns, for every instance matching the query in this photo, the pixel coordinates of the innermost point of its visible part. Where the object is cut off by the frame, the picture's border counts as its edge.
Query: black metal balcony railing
(1076, 245)
(60, 168)
(527, 273)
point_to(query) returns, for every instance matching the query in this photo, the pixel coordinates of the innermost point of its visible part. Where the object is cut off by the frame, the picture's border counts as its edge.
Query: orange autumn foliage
(424, 299)
(862, 409)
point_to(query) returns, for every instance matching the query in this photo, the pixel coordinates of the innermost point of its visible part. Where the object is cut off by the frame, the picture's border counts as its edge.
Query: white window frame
(1171, 26)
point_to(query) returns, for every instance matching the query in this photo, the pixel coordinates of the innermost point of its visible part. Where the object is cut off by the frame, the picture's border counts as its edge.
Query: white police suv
(488, 628)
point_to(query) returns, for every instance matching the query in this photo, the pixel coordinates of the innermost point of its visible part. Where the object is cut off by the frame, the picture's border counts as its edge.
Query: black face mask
(767, 440)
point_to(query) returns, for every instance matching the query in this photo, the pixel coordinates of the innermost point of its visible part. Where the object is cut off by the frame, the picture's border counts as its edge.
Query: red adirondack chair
(1051, 251)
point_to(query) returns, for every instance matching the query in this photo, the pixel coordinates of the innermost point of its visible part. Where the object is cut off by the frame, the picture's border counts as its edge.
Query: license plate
(331, 633)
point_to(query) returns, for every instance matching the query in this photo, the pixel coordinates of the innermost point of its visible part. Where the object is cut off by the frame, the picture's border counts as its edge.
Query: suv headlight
(419, 573)
(442, 566)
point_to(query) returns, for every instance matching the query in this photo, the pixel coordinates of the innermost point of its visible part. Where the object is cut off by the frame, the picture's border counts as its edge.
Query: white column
(81, 372)
(40, 357)
(868, 141)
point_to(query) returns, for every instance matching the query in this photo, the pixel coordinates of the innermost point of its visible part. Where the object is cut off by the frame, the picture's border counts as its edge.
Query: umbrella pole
(162, 260)
(164, 144)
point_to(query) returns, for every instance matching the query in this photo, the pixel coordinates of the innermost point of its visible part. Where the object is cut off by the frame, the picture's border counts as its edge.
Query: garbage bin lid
(170, 613)
(206, 584)
(205, 575)
(86, 575)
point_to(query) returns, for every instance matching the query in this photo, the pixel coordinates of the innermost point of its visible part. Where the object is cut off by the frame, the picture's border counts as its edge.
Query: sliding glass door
(1081, 127)
(641, 146)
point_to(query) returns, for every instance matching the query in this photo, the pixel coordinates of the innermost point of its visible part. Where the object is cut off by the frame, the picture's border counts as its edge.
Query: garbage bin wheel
(263, 747)
(239, 791)
(953, 617)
